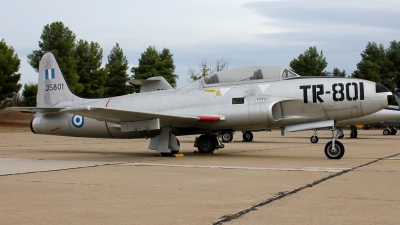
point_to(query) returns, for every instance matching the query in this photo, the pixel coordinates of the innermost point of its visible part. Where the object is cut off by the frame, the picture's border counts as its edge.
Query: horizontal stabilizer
(152, 84)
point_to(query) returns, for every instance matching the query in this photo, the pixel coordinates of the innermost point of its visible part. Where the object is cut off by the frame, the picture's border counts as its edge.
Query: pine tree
(375, 66)
(60, 40)
(310, 63)
(117, 77)
(153, 63)
(91, 75)
(9, 66)
(29, 94)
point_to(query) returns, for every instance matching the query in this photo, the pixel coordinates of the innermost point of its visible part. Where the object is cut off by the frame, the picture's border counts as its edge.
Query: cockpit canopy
(267, 73)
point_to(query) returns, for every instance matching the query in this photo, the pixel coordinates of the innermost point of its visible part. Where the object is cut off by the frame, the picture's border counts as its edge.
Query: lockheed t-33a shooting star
(248, 98)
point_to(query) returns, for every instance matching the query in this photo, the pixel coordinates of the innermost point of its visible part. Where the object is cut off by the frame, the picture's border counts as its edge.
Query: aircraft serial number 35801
(248, 98)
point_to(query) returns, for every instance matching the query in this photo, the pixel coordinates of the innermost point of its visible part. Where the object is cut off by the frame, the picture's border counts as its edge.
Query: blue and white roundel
(77, 121)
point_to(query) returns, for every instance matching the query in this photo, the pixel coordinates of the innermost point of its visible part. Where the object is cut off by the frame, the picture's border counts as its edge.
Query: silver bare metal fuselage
(248, 105)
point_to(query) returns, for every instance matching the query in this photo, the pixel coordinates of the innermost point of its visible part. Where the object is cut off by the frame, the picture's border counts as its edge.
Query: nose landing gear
(334, 149)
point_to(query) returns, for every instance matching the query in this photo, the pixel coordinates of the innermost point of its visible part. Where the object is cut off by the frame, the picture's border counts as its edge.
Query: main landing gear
(353, 132)
(389, 131)
(228, 136)
(247, 136)
(207, 143)
(334, 149)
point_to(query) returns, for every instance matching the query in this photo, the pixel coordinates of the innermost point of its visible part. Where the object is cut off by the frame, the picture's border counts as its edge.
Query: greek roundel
(78, 121)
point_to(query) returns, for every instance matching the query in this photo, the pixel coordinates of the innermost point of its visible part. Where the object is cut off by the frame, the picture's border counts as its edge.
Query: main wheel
(353, 135)
(314, 139)
(393, 131)
(227, 137)
(206, 144)
(247, 136)
(334, 153)
(386, 132)
(341, 136)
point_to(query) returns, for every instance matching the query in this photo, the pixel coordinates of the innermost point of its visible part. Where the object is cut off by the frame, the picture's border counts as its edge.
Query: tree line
(81, 64)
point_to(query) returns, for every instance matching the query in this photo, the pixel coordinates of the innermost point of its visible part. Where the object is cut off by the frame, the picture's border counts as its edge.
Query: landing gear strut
(334, 149)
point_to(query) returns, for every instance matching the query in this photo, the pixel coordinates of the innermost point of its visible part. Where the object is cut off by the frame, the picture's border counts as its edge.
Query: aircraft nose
(379, 88)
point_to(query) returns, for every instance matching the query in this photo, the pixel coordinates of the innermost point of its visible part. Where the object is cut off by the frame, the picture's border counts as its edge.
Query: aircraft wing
(35, 109)
(117, 116)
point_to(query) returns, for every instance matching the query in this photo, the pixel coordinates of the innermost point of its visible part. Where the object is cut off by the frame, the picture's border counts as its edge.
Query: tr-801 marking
(54, 87)
(350, 91)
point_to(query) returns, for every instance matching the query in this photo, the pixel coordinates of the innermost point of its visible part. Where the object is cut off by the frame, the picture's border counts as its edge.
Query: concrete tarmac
(272, 180)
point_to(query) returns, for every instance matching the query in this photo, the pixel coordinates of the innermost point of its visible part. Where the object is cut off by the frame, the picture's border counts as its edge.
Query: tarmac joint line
(282, 195)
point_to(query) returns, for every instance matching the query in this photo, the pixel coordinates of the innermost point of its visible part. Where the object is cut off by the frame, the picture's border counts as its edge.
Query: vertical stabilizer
(52, 88)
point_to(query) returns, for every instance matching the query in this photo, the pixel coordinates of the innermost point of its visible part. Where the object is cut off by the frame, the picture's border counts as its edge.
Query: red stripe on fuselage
(105, 122)
(108, 102)
(108, 130)
(208, 119)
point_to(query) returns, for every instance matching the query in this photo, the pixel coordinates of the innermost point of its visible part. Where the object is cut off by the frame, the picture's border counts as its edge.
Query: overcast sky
(243, 32)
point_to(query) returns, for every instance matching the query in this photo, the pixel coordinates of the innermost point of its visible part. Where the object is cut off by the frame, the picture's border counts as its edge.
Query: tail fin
(53, 91)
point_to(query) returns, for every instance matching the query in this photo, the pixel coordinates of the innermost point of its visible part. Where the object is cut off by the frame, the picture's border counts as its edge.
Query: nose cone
(382, 89)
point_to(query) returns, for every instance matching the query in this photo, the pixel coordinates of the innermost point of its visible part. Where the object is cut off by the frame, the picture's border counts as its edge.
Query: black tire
(393, 132)
(247, 136)
(206, 144)
(227, 137)
(353, 135)
(337, 152)
(314, 139)
(386, 132)
(341, 136)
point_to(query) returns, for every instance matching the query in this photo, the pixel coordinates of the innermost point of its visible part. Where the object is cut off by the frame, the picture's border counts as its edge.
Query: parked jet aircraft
(389, 113)
(248, 98)
(393, 123)
(390, 116)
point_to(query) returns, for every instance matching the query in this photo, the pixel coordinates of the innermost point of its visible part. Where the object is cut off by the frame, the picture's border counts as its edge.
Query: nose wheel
(314, 139)
(334, 149)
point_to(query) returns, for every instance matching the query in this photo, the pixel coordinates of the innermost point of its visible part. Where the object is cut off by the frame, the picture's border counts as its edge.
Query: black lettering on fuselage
(305, 88)
(348, 97)
(349, 91)
(317, 94)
